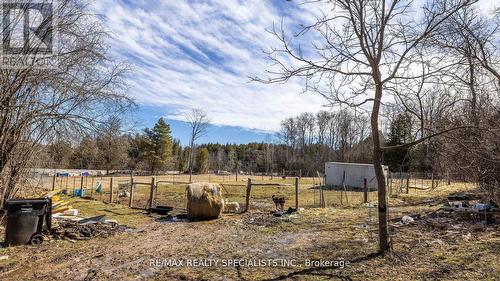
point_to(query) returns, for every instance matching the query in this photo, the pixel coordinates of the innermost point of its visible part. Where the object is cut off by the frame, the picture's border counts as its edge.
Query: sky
(200, 54)
(187, 54)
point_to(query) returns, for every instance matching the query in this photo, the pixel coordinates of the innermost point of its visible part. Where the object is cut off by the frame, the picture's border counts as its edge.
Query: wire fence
(170, 190)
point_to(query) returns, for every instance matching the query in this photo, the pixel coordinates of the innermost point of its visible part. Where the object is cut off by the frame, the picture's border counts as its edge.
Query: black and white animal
(279, 201)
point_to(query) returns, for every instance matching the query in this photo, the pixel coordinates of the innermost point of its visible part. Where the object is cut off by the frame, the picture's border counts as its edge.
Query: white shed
(354, 174)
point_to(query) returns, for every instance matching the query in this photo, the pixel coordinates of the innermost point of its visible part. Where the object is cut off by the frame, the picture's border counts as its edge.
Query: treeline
(300, 150)
(302, 146)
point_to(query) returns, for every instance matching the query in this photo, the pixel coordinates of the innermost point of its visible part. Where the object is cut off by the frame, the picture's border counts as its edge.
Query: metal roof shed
(355, 174)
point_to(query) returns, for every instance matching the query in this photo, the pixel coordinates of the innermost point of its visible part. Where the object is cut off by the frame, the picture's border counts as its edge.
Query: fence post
(408, 184)
(390, 183)
(249, 188)
(151, 192)
(54, 182)
(131, 198)
(322, 194)
(110, 190)
(365, 189)
(297, 194)
(432, 181)
(92, 187)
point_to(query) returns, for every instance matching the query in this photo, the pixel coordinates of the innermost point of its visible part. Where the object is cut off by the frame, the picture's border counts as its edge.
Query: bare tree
(74, 94)
(472, 39)
(365, 49)
(199, 122)
(112, 144)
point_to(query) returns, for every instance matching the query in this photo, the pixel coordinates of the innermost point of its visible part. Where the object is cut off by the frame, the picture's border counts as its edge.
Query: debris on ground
(70, 212)
(470, 207)
(407, 220)
(92, 220)
(172, 219)
(369, 205)
(283, 213)
(461, 214)
(74, 230)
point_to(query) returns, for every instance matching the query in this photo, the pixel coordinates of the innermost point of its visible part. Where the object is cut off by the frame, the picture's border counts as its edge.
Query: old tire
(36, 239)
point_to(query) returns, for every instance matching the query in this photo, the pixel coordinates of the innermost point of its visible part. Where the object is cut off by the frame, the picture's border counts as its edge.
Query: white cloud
(199, 54)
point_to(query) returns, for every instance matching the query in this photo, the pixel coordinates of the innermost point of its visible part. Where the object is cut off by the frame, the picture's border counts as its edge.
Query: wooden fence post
(151, 192)
(54, 182)
(110, 190)
(102, 189)
(92, 187)
(322, 194)
(432, 181)
(249, 189)
(297, 194)
(131, 197)
(408, 185)
(365, 189)
(390, 183)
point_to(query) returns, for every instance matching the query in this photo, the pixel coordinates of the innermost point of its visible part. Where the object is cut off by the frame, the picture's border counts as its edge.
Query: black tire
(36, 239)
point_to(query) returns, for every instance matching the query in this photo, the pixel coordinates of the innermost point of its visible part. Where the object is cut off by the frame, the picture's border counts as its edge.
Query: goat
(279, 201)
(123, 193)
(231, 207)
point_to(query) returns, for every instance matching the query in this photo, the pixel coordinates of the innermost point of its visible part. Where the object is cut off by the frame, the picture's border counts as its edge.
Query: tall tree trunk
(379, 173)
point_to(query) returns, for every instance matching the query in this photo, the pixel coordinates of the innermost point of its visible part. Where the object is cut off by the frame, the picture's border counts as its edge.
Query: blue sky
(200, 54)
(146, 116)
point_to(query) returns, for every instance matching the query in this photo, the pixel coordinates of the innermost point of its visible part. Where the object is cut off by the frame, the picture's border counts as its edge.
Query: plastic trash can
(25, 220)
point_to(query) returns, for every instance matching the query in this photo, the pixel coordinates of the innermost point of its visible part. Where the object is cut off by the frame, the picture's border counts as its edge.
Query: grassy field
(451, 250)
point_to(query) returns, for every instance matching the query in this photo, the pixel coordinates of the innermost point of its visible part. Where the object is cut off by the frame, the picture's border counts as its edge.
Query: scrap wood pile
(68, 225)
(60, 206)
(75, 230)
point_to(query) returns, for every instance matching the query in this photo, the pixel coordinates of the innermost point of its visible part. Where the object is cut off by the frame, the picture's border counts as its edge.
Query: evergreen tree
(183, 163)
(158, 145)
(400, 133)
(202, 160)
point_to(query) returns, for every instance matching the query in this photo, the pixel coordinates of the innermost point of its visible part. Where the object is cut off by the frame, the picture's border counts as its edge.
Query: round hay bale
(204, 201)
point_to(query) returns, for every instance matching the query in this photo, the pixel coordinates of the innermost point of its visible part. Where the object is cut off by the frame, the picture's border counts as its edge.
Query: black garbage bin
(25, 219)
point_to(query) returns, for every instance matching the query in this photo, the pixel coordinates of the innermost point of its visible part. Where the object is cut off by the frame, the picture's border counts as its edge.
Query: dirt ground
(260, 246)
